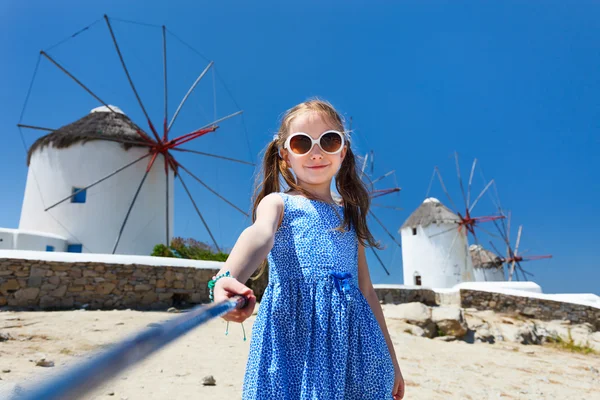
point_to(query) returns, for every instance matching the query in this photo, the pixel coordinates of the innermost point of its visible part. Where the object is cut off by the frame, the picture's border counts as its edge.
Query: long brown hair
(355, 196)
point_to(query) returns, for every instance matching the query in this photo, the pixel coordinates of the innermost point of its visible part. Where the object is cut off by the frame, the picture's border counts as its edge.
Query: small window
(49, 248)
(417, 277)
(414, 231)
(74, 248)
(80, 196)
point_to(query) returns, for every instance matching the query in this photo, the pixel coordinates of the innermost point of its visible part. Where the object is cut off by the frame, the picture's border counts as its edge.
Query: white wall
(96, 223)
(14, 239)
(489, 274)
(6, 239)
(441, 259)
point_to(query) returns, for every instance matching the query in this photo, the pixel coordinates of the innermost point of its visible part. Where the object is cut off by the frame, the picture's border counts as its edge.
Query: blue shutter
(49, 248)
(79, 197)
(74, 248)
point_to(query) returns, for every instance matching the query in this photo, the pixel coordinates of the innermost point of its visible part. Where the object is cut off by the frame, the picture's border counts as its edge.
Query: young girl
(320, 331)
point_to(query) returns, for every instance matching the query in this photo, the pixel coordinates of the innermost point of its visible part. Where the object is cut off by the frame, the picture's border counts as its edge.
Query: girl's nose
(316, 153)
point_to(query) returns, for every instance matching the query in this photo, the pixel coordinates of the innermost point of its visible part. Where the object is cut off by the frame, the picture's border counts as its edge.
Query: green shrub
(190, 249)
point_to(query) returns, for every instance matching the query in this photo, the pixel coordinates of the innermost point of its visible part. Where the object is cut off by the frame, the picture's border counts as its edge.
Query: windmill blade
(436, 170)
(137, 96)
(168, 234)
(380, 261)
(512, 270)
(384, 228)
(480, 194)
(470, 182)
(362, 171)
(462, 188)
(390, 207)
(383, 177)
(430, 184)
(98, 181)
(189, 92)
(213, 155)
(39, 128)
(441, 233)
(164, 40)
(137, 192)
(211, 190)
(372, 159)
(488, 232)
(452, 245)
(518, 240)
(199, 213)
(497, 252)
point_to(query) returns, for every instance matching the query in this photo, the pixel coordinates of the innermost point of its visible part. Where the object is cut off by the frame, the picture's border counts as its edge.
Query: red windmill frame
(468, 222)
(513, 258)
(157, 144)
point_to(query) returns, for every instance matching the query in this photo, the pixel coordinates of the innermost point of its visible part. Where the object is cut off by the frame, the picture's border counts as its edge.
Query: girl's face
(316, 168)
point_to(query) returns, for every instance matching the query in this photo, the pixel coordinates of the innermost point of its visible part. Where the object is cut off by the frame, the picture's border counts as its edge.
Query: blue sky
(514, 85)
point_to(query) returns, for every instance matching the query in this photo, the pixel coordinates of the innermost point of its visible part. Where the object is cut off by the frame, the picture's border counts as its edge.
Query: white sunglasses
(300, 143)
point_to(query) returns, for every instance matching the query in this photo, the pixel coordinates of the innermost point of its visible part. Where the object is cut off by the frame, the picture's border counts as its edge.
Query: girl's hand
(228, 287)
(398, 392)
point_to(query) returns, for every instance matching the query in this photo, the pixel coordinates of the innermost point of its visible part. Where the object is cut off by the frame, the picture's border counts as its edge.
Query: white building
(487, 266)
(77, 155)
(434, 249)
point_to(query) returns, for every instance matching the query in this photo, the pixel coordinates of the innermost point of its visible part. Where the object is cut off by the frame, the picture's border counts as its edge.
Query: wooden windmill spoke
(39, 128)
(213, 155)
(383, 177)
(470, 182)
(442, 232)
(514, 254)
(384, 228)
(362, 171)
(137, 192)
(380, 261)
(191, 89)
(462, 188)
(383, 192)
(452, 245)
(223, 119)
(165, 130)
(98, 181)
(436, 170)
(480, 194)
(390, 207)
(199, 213)
(168, 236)
(145, 137)
(497, 252)
(488, 232)
(211, 190)
(112, 34)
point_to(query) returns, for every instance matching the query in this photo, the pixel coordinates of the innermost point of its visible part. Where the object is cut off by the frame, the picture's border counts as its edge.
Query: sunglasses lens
(300, 144)
(331, 142)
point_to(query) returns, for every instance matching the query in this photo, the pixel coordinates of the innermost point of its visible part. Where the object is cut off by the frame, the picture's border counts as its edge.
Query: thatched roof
(97, 125)
(483, 258)
(430, 212)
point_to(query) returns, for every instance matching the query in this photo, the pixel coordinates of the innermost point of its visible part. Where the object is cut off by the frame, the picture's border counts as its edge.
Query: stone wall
(49, 285)
(542, 309)
(391, 295)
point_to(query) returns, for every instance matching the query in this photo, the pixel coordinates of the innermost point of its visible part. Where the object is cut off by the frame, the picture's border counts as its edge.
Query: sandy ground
(432, 369)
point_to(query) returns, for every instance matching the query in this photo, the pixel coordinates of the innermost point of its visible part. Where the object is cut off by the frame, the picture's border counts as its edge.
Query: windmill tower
(434, 252)
(487, 266)
(103, 183)
(67, 160)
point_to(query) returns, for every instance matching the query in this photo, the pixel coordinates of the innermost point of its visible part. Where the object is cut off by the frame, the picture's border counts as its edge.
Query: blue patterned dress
(315, 336)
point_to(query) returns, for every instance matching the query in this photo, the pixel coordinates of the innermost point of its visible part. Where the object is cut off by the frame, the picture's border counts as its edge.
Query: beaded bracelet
(211, 286)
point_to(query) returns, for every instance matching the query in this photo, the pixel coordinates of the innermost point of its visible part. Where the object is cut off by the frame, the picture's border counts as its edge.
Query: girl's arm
(251, 248)
(366, 287)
